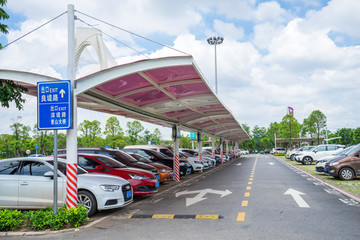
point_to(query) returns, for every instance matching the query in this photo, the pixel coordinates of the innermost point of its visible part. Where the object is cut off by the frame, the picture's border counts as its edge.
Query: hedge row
(11, 219)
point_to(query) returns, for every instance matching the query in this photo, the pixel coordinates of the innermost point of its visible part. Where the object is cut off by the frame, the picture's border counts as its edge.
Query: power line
(34, 30)
(122, 29)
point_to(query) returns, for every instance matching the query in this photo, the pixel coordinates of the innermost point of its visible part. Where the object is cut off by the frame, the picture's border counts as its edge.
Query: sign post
(54, 113)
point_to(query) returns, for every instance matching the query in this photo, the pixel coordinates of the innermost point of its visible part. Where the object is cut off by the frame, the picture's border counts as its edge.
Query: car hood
(160, 166)
(337, 158)
(87, 179)
(143, 166)
(137, 171)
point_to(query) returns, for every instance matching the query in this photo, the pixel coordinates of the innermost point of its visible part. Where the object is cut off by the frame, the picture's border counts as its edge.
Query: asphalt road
(254, 197)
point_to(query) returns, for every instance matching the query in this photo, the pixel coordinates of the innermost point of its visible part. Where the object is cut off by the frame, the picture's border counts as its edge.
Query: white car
(318, 152)
(27, 183)
(196, 165)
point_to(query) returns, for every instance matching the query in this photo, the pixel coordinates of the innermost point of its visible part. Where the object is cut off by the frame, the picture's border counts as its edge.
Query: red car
(143, 182)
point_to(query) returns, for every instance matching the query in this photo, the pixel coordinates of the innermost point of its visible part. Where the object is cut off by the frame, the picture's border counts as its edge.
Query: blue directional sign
(192, 135)
(54, 105)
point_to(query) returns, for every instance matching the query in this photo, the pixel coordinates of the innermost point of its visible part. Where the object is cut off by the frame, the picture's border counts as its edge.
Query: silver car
(27, 183)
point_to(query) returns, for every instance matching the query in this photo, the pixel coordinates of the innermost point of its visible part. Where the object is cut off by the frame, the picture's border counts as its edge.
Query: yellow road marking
(241, 217)
(251, 179)
(248, 188)
(247, 194)
(163, 216)
(244, 203)
(207, 216)
(249, 183)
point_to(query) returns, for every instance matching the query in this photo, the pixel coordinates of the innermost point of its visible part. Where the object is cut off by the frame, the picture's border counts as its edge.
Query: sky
(299, 53)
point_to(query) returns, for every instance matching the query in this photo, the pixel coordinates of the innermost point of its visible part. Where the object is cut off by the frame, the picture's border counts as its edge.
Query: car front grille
(146, 188)
(126, 188)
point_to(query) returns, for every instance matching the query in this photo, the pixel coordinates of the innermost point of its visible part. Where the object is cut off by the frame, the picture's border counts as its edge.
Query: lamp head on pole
(215, 40)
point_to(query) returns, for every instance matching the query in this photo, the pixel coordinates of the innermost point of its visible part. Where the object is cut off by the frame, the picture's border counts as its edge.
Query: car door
(320, 152)
(36, 190)
(9, 183)
(357, 163)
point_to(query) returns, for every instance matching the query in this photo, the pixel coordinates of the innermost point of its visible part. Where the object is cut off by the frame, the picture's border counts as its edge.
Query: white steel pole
(71, 134)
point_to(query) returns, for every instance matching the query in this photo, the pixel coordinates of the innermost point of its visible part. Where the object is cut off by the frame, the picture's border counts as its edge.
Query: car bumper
(144, 187)
(111, 200)
(166, 176)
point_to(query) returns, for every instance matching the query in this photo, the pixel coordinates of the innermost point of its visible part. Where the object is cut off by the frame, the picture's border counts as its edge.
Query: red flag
(291, 110)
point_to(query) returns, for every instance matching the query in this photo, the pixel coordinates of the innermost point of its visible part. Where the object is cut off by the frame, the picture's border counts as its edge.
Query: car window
(167, 152)
(31, 168)
(143, 153)
(111, 163)
(62, 168)
(106, 153)
(331, 148)
(321, 149)
(86, 151)
(87, 163)
(9, 168)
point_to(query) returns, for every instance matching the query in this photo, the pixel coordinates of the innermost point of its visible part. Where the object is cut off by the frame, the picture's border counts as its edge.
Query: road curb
(336, 188)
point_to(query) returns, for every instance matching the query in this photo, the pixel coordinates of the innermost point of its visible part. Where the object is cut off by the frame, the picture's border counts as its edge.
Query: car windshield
(353, 150)
(124, 155)
(344, 151)
(109, 162)
(141, 158)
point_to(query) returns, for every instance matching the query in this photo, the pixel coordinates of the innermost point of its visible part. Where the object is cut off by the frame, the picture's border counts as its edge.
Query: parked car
(196, 165)
(119, 156)
(320, 164)
(155, 156)
(345, 166)
(266, 151)
(278, 150)
(27, 183)
(293, 154)
(143, 182)
(166, 173)
(308, 157)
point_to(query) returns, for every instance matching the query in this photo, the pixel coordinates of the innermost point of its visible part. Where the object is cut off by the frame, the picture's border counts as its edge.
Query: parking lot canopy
(163, 91)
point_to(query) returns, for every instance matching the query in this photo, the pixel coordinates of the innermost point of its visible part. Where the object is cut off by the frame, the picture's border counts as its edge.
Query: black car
(118, 155)
(155, 156)
(267, 151)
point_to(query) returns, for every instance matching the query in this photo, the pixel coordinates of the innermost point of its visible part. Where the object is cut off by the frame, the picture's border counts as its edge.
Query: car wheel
(346, 174)
(292, 157)
(87, 200)
(307, 160)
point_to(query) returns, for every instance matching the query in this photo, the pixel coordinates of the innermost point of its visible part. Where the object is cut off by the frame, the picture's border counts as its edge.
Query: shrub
(10, 219)
(42, 219)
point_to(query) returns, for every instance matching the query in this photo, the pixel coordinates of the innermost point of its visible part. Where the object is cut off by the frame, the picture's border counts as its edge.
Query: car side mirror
(357, 154)
(315, 151)
(99, 168)
(151, 158)
(49, 174)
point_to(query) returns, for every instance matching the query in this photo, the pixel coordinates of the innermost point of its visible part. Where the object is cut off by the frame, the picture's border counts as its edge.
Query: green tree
(91, 132)
(21, 137)
(356, 135)
(133, 130)
(346, 135)
(9, 91)
(289, 128)
(258, 133)
(315, 124)
(271, 131)
(113, 133)
(6, 150)
(43, 140)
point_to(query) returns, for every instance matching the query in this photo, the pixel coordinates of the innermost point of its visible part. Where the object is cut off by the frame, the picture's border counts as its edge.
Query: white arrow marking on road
(62, 92)
(296, 196)
(270, 163)
(239, 164)
(200, 195)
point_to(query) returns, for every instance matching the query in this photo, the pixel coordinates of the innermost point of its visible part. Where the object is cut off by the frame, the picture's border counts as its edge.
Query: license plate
(189, 170)
(128, 194)
(172, 175)
(157, 184)
(158, 178)
(325, 169)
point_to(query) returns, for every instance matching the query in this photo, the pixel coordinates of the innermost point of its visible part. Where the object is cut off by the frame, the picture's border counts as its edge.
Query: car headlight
(164, 170)
(334, 164)
(137, 177)
(110, 188)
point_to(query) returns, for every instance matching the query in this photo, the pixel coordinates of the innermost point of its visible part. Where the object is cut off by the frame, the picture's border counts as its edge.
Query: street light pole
(215, 41)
